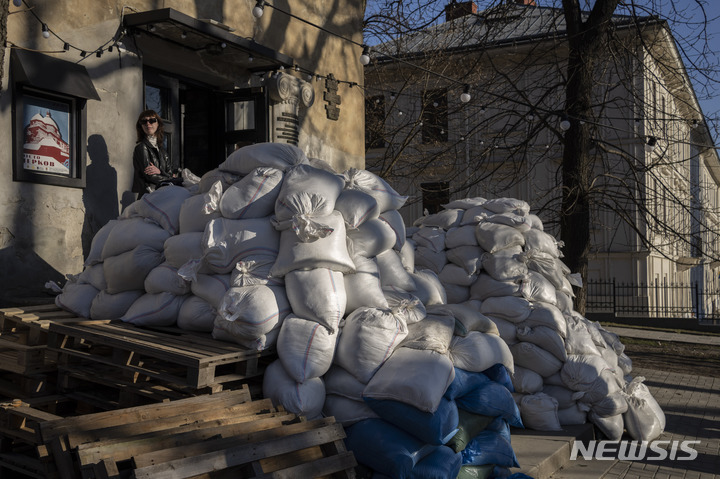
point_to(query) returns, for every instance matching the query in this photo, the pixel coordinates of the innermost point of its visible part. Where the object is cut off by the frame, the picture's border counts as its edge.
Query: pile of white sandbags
(274, 249)
(568, 369)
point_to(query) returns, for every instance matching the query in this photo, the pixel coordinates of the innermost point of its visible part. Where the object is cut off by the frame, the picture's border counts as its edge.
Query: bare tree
(564, 103)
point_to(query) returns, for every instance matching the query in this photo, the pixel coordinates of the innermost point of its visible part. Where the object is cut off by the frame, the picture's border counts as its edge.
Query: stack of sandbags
(498, 258)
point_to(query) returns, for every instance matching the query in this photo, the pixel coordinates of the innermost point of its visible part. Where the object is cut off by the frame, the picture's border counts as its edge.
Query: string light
(365, 57)
(17, 3)
(650, 145)
(258, 9)
(45, 31)
(465, 96)
(565, 123)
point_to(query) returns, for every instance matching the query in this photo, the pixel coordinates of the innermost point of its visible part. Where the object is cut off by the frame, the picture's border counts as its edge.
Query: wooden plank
(324, 466)
(189, 464)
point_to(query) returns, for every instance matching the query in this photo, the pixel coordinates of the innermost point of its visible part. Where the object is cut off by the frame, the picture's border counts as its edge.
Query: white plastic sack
(77, 298)
(211, 287)
(251, 311)
(347, 411)
(184, 247)
(431, 238)
(460, 236)
(98, 243)
(507, 205)
(198, 210)
(196, 314)
(580, 372)
(254, 269)
(493, 237)
(434, 333)
(225, 241)
(395, 221)
(578, 340)
(467, 257)
(545, 314)
(466, 203)
(505, 265)
(392, 272)
(535, 358)
(466, 317)
(564, 396)
(362, 288)
(544, 337)
(637, 389)
(356, 207)
(456, 293)
(317, 295)
(405, 305)
(128, 271)
(526, 381)
(113, 306)
(539, 412)
(640, 420)
(372, 238)
(305, 348)
(445, 219)
(162, 206)
(131, 233)
(94, 275)
(487, 287)
(506, 330)
(428, 288)
(407, 255)
(387, 198)
(573, 415)
(509, 308)
(308, 191)
(519, 222)
(164, 278)
(534, 287)
(253, 196)
(276, 155)
(475, 215)
(304, 399)
(160, 309)
(537, 239)
(209, 179)
(426, 258)
(478, 351)
(611, 405)
(340, 382)
(611, 426)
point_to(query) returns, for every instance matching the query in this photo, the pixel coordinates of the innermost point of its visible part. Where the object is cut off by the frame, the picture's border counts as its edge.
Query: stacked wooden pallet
(220, 435)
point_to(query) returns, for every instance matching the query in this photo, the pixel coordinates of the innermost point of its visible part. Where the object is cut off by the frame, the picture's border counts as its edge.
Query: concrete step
(584, 469)
(542, 453)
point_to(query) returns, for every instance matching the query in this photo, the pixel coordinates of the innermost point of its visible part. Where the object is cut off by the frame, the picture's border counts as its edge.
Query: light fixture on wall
(45, 31)
(365, 57)
(465, 96)
(258, 9)
(650, 145)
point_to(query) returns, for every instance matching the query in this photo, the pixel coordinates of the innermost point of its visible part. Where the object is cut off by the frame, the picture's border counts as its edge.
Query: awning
(205, 37)
(52, 74)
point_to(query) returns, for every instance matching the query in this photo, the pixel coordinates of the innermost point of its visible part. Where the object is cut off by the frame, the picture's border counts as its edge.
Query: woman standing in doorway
(150, 159)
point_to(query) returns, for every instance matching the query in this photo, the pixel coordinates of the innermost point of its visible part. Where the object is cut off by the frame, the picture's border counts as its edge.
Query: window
(434, 195)
(435, 116)
(374, 122)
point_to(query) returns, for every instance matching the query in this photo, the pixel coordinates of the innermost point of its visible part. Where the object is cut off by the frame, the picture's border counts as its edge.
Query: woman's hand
(152, 170)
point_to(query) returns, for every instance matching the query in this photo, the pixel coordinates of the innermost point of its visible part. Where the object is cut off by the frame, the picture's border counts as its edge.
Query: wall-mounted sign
(332, 98)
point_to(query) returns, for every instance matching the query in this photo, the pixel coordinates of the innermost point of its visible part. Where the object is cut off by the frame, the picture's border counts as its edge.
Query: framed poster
(48, 131)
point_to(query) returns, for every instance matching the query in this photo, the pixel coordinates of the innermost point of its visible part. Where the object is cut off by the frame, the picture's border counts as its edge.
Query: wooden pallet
(181, 358)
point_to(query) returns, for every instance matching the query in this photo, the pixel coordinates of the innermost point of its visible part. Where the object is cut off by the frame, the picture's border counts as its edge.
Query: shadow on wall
(100, 196)
(18, 265)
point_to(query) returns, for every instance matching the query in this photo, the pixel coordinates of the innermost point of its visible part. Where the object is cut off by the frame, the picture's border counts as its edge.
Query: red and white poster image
(44, 147)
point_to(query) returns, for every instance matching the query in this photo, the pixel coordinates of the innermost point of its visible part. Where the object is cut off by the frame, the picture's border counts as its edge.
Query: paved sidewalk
(665, 336)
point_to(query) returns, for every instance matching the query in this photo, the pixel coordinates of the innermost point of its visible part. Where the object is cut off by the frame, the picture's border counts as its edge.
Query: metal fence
(657, 300)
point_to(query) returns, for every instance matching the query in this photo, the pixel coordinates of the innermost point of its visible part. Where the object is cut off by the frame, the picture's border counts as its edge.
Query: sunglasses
(148, 120)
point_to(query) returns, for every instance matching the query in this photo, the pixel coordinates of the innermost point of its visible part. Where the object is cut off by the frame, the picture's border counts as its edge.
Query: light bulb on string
(17, 3)
(365, 56)
(45, 31)
(565, 123)
(650, 145)
(465, 96)
(258, 9)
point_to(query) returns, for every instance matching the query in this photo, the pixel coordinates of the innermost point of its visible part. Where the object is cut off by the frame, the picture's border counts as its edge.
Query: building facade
(221, 74)
(655, 175)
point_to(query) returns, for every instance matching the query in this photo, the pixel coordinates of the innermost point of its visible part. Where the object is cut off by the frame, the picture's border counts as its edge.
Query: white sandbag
(387, 198)
(407, 256)
(475, 215)
(611, 405)
(580, 372)
(563, 302)
(392, 272)
(77, 298)
(564, 396)
(211, 287)
(395, 221)
(131, 233)
(640, 420)
(505, 265)
(593, 327)
(454, 274)
(94, 275)
(544, 337)
(127, 271)
(98, 243)
(637, 389)
(362, 288)
(607, 384)
(555, 380)
(445, 219)
(412, 376)
(356, 207)
(537, 239)
(305, 348)
(405, 305)
(506, 330)
(460, 236)
(487, 287)
(330, 252)
(578, 340)
(467, 257)
(184, 247)
(196, 314)
(251, 311)
(164, 278)
(519, 222)
(456, 293)
(547, 266)
(198, 210)
(304, 399)
(431, 238)
(347, 411)
(534, 287)
(526, 381)
(433, 333)
(611, 339)
(317, 295)
(467, 318)
(509, 308)
(254, 269)
(428, 288)
(535, 221)
(253, 196)
(159, 309)
(372, 238)
(113, 306)
(225, 178)
(545, 314)
(478, 351)
(368, 338)
(341, 383)
(535, 358)
(275, 155)
(162, 206)
(465, 203)
(225, 241)
(260, 343)
(610, 357)
(426, 258)
(612, 427)
(493, 237)
(308, 191)
(625, 364)
(539, 412)
(507, 205)
(573, 415)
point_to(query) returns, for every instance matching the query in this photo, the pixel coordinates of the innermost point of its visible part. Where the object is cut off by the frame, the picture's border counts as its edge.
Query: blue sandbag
(432, 428)
(492, 446)
(476, 393)
(442, 463)
(500, 374)
(385, 448)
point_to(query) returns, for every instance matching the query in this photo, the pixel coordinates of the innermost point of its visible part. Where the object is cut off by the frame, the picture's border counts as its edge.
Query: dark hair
(159, 134)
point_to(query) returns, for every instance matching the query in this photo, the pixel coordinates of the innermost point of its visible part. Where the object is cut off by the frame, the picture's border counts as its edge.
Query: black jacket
(144, 155)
